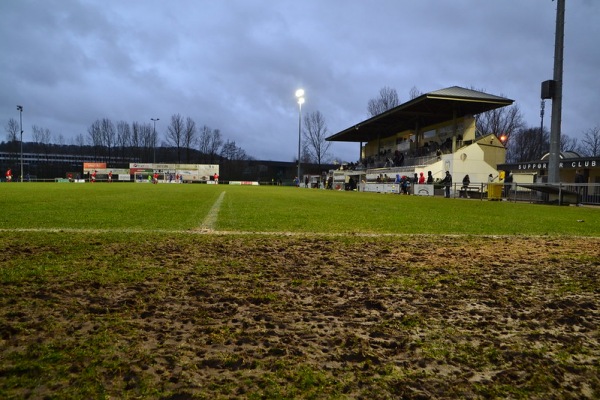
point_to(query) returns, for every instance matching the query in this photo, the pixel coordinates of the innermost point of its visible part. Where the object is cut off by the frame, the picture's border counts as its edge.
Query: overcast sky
(235, 64)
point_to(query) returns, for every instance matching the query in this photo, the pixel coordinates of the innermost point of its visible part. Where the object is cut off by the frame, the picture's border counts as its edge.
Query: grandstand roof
(428, 109)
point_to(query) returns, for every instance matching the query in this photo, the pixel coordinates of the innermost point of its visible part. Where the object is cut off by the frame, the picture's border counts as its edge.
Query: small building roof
(428, 109)
(562, 155)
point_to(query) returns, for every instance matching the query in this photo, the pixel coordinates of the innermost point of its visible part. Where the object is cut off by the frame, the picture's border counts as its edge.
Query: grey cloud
(235, 64)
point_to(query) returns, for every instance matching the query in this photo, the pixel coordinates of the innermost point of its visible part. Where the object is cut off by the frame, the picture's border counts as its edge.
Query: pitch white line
(278, 233)
(211, 218)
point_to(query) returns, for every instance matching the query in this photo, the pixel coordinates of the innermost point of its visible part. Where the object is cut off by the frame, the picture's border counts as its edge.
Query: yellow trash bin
(495, 191)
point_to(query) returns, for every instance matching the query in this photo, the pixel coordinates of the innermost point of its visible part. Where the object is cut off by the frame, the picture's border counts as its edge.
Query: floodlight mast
(154, 140)
(554, 155)
(20, 109)
(300, 96)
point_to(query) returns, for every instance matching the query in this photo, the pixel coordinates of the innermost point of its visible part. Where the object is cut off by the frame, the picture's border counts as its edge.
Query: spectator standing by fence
(447, 181)
(465, 185)
(579, 180)
(508, 184)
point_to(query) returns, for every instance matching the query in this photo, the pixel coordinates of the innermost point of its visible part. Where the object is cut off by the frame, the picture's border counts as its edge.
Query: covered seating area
(425, 126)
(434, 132)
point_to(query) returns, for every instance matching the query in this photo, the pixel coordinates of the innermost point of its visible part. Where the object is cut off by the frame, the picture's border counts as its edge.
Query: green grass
(143, 207)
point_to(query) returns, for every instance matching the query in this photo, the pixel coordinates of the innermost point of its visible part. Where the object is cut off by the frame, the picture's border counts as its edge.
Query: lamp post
(300, 96)
(154, 140)
(20, 109)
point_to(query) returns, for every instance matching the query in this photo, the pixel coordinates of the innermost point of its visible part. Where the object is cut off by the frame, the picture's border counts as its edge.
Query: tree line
(183, 142)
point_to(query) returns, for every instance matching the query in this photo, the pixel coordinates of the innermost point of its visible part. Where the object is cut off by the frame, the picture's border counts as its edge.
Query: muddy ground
(276, 316)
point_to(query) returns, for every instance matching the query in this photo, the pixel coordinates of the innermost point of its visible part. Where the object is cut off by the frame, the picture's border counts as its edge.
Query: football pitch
(177, 291)
(272, 209)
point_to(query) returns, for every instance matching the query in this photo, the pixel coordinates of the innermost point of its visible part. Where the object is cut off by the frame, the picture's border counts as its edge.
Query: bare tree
(204, 139)
(41, 135)
(305, 156)
(13, 136)
(388, 99)
(109, 136)
(232, 152)
(315, 132)
(136, 135)
(12, 130)
(209, 143)
(42, 138)
(123, 137)
(414, 93)
(527, 145)
(568, 143)
(504, 121)
(189, 137)
(215, 145)
(590, 144)
(175, 132)
(79, 141)
(95, 136)
(148, 139)
(59, 139)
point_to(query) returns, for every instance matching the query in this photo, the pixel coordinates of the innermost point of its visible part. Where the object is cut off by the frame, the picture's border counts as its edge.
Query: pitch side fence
(567, 193)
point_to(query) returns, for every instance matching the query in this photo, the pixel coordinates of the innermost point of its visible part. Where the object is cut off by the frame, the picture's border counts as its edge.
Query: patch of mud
(319, 317)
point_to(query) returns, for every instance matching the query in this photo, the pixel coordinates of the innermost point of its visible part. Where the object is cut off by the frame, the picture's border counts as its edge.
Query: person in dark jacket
(447, 181)
(429, 178)
(465, 186)
(579, 179)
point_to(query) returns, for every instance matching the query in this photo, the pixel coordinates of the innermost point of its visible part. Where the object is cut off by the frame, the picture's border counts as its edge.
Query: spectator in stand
(429, 178)
(421, 178)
